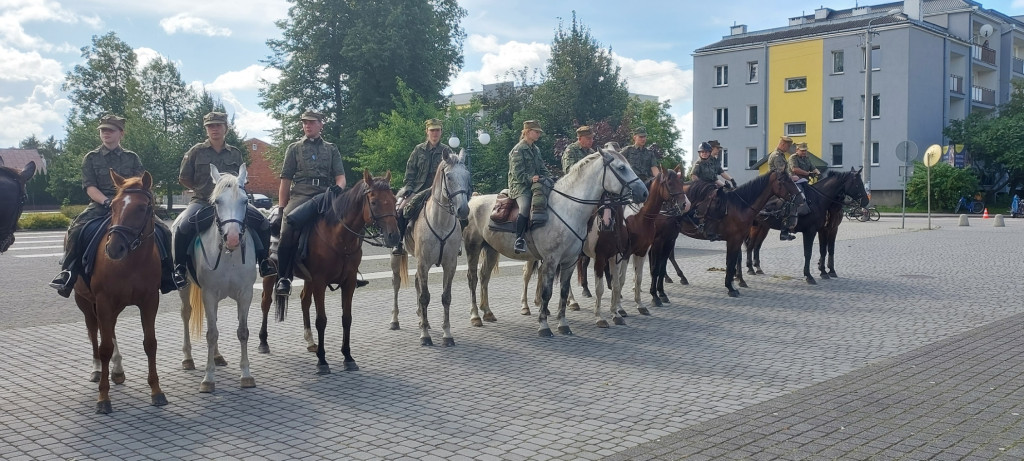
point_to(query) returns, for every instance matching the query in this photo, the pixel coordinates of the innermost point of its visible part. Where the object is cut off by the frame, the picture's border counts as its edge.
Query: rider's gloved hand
(106, 203)
(733, 181)
(336, 189)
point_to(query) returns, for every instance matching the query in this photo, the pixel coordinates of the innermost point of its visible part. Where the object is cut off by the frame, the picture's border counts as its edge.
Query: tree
(662, 132)
(948, 185)
(167, 98)
(36, 187)
(387, 146)
(107, 82)
(343, 58)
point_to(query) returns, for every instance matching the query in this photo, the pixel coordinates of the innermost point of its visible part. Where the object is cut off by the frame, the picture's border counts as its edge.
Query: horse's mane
(700, 189)
(747, 192)
(353, 198)
(227, 181)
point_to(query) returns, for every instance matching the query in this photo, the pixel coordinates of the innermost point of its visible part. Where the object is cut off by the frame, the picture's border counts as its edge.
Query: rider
(311, 167)
(802, 166)
(525, 168)
(419, 178)
(100, 188)
(777, 163)
(195, 174)
(716, 151)
(706, 169)
(640, 158)
(575, 152)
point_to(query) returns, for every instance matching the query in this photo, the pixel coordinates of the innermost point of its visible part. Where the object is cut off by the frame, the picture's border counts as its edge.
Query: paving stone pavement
(910, 354)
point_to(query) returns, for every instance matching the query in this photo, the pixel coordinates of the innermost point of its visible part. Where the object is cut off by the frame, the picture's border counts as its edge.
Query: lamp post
(868, 99)
(467, 125)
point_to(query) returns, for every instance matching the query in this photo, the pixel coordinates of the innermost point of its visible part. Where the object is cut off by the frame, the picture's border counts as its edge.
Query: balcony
(956, 84)
(983, 95)
(1018, 65)
(984, 54)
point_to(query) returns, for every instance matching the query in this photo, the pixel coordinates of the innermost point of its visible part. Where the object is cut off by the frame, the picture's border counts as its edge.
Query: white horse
(225, 263)
(557, 244)
(435, 240)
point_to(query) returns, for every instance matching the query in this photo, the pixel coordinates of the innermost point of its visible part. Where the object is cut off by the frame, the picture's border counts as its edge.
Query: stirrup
(61, 280)
(399, 250)
(178, 277)
(520, 246)
(267, 269)
(283, 287)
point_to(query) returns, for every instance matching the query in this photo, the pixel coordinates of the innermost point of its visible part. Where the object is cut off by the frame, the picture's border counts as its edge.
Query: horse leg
(148, 309)
(422, 301)
(472, 262)
(244, 302)
(346, 325)
(732, 255)
(581, 273)
(210, 301)
(187, 363)
(305, 299)
(679, 272)
(663, 266)
(396, 283)
(116, 369)
(266, 298)
(93, 330)
(546, 282)
(528, 269)
(638, 277)
(537, 292)
(565, 278)
(446, 300)
(808, 249)
(599, 264)
(573, 305)
(667, 278)
(107, 321)
(486, 271)
(653, 256)
(833, 233)
(618, 282)
(308, 293)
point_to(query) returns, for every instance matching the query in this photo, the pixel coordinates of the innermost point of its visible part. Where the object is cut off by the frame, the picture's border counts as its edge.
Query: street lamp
(467, 125)
(868, 99)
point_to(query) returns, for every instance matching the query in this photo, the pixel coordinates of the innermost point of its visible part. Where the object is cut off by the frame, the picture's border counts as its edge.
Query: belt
(314, 181)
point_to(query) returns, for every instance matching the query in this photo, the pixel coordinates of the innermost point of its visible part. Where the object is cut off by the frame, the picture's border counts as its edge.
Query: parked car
(260, 201)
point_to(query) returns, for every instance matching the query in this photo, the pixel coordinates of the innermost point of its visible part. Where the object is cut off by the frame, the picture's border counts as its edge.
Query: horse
(825, 199)
(335, 251)
(436, 240)
(12, 201)
(557, 244)
(741, 206)
(224, 259)
(126, 272)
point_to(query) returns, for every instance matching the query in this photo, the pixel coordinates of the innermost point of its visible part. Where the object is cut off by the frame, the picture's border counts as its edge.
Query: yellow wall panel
(785, 61)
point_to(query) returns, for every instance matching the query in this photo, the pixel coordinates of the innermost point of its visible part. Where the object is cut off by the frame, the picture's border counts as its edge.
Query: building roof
(18, 158)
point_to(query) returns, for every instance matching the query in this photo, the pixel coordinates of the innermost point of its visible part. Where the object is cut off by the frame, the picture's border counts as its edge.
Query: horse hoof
(248, 382)
(95, 377)
(426, 341)
(264, 348)
(760, 272)
(586, 293)
(311, 348)
(188, 364)
(833, 274)
(743, 284)
(350, 366)
(618, 321)
(207, 387)
(664, 298)
(683, 281)
(489, 317)
(449, 342)
(158, 400)
(324, 369)
(574, 306)
(565, 330)
(810, 281)
(751, 272)
(525, 311)
(734, 293)
(824, 276)
(602, 323)
(545, 333)
(394, 326)
(622, 313)
(118, 378)
(643, 310)
(655, 301)
(103, 407)
(219, 361)
(476, 322)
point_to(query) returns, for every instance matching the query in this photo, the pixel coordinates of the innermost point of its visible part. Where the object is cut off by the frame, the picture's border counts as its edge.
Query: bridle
(446, 189)
(126, 232)
(223, 235)
(607, 160)
(375, 236)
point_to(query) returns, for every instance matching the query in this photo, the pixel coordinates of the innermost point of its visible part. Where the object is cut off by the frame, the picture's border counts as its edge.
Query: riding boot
(183, 238)
(402, 224)
(259, 223)
(521, 223)
(286, 249)
(64, 282)
(788, 227)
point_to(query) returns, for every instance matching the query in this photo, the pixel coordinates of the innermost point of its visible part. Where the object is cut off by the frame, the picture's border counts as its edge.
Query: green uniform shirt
(421, 167)
(574, 153)
(706, 169)
(312, 165)
(524, 163)
(802, 162)
(777, 162)
(97, 165)
(641, 159)
(195, 168)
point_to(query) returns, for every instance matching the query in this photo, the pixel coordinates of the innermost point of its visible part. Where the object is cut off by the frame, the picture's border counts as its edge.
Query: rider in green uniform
(419, 178)
(525, 168)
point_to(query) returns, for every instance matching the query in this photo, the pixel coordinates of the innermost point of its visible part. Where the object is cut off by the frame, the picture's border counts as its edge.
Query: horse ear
(147, 180)
(462, 155)
(214, 173)
(367, 177)
(118, 180)
(28, 172)
(679, 168)
(243, 176)
(387, 177)
(445, 157)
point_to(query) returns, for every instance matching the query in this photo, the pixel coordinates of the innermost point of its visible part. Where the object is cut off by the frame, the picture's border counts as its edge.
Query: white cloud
(189, 24)
(147, 55)
(27, 66)
(40, 114)
(497, 59)
(250, 78)
(685, 124)
(15, 13)
(663, 79)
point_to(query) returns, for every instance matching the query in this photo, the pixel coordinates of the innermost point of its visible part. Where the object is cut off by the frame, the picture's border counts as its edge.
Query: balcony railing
(983, 95)
(984, 54)
(1018, 65)
(956, 84)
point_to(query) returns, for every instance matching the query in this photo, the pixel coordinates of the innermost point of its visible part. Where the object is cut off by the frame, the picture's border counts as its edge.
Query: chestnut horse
(741, 207)
(126, 272)
(12, 200)
(335, 251)
(825, 199)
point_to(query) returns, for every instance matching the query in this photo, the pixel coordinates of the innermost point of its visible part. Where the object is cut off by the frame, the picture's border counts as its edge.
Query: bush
(39, 221)
(72, 211)
(948, 185)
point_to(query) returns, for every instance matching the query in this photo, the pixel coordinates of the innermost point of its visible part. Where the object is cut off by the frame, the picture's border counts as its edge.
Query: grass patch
(44, 221)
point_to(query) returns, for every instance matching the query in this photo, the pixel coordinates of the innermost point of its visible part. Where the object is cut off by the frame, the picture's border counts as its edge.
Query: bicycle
(856, 213)
(974, 206)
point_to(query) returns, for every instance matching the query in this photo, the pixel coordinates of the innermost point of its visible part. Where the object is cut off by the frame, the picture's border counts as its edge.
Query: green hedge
(72, 211)
(38, 221)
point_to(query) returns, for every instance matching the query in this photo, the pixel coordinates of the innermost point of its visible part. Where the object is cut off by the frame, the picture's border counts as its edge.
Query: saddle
(91, 236)
(504, 214)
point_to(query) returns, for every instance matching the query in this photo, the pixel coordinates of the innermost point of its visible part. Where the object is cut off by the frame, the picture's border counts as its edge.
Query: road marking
(36, 248)
(412, 272)
(39, 256)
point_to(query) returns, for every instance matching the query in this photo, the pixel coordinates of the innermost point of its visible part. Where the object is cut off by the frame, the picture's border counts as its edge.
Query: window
(796, 84)
(751, 115)
(722, 117)
(751, 156)
(837, 155)
(725, 158)
(254, 147)
(876, 106)
(796, 129)
(874, 154)
(876, 57)
(837, 109)
(752, 72)
(721, 75)
(837, 62)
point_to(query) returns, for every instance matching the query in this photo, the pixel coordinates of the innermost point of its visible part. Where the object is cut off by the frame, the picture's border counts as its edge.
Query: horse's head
(782, 186)
(229, 202)
(380, 207)
(854, 187)
(668, 186)
(454, 179)
(622, 179)
(12, 199)
(131, 214)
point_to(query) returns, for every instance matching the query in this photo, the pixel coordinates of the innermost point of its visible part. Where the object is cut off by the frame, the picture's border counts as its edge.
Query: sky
(220, 44)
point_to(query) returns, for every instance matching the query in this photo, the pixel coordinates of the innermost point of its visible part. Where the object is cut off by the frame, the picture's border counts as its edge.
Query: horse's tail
(195, 323)
(403, 270)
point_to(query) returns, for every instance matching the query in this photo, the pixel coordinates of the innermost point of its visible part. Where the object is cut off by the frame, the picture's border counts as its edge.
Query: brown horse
(126, 272)
(335, 251)
(740, 208)
(12, 201)
(825, 200)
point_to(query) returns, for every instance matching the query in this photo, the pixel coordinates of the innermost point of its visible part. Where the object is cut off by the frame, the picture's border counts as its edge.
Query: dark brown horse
(335, 251)
(825, 200)
(12, 201)
(740, 207)
(126, 272)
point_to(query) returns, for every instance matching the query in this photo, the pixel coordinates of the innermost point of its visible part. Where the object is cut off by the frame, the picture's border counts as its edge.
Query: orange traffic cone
(985, 216)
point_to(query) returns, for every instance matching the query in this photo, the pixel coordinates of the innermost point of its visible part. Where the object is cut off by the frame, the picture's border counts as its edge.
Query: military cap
(214, 118)
(715, 143)
(640, 131)
(801, 146)
(532, 125)
(113, 122)
(312, 115)
(786, 138)
(584, 131)
(433, 124)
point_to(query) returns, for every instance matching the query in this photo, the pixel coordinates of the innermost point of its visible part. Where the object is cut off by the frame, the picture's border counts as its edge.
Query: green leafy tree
(388, 145)
(107, 82)
(662, 133)
(36, 187)
(947, 186)
(993, 142)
